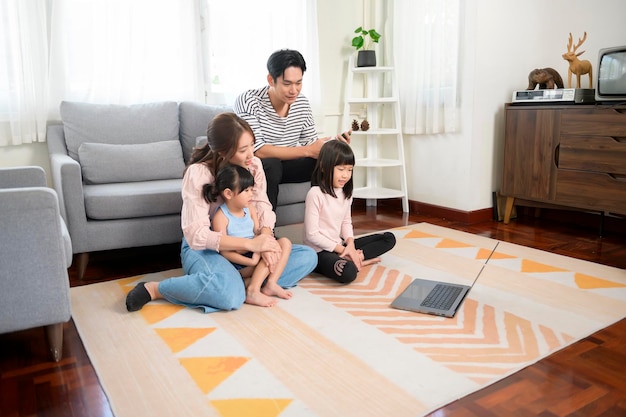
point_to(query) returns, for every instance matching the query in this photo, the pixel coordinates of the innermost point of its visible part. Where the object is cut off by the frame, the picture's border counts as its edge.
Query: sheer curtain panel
(138, 51)
(125, 52)
(237, 53)
(426, 53)
(23, 71)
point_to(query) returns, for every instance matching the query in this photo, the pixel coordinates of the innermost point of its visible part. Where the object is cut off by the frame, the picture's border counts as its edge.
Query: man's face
(288, 86)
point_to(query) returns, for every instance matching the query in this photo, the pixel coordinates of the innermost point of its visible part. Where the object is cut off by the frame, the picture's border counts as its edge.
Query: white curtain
(238, 48)
(426, 36)
(124, 52)
(136, 51)
(23, 71)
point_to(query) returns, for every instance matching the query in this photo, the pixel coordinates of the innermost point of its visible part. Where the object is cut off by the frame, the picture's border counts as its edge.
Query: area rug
(337, 350)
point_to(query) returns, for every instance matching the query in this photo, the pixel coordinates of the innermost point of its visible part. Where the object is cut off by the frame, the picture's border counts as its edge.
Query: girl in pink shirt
(328, 218)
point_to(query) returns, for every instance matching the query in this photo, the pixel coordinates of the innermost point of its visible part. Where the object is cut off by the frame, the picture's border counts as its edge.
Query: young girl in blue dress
(238, 217)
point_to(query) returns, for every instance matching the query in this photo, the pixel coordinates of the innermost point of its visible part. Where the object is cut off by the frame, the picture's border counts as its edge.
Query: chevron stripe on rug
(335, 350)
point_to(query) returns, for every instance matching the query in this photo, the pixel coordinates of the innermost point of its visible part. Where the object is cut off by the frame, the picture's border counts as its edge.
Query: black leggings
(342, 270)
(282, 172)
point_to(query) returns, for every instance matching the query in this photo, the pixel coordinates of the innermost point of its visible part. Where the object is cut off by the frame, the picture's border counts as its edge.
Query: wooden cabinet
(565, 155)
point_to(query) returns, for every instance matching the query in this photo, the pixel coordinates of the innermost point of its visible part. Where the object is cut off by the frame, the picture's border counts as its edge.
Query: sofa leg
(81, 263)
(54, 334)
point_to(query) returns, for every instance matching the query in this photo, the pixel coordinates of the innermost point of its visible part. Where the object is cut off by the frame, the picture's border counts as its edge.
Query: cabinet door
(529, 145)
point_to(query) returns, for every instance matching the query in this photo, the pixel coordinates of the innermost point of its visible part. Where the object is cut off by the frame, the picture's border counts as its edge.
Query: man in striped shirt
(282, 120)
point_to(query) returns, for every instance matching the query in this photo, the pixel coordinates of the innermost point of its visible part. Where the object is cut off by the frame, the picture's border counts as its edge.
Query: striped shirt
(297, 129)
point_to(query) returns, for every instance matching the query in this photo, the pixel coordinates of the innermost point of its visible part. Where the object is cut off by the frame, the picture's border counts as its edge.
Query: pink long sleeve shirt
(196, 214)
(327, 220)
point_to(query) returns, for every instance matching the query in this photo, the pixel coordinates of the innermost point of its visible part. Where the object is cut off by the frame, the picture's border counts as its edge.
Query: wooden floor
(586, 379)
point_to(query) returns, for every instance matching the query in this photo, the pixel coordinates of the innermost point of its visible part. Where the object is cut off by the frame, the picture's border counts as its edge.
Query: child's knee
(285, 244)
(390, 238)
(345, 271)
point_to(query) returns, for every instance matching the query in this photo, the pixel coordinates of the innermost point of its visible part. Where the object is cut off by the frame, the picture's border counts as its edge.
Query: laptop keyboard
(441, 297)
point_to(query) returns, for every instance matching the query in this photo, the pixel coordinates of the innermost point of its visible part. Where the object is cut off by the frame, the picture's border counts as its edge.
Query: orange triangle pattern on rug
(209, 372)
(523, 265)
(250, 408)
(180, 338)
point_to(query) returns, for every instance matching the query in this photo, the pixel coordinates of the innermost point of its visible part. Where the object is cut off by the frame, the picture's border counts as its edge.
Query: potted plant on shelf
(366, 57)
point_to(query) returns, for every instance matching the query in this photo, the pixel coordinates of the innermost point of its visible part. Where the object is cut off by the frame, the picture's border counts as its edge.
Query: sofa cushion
(104, 163)
(194, 120)
(290, 193)
(118, 124)
(133, 199)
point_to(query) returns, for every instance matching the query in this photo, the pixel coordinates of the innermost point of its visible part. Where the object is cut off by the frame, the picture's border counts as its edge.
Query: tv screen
(611, 79)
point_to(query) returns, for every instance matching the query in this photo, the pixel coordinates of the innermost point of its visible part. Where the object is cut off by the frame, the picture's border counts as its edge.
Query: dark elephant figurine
(545, 78)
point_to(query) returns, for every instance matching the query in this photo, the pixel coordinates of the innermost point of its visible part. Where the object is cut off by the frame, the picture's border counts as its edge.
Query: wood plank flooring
(585, 379)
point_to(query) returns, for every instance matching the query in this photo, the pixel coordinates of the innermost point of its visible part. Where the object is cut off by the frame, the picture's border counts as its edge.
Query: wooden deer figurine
(576, 66)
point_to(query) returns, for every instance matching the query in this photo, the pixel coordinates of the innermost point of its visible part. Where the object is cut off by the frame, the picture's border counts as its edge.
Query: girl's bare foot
(371, 261)
(273, 289)
(259, 299)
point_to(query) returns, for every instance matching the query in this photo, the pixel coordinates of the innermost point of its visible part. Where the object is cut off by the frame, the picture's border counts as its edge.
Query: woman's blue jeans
(212, 283)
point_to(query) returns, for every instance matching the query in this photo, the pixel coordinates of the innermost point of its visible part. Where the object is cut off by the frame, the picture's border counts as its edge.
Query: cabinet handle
(556, 155)
(617, 177)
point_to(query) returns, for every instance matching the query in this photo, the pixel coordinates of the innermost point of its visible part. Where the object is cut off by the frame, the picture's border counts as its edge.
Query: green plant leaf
(358, 42)
(374, 35)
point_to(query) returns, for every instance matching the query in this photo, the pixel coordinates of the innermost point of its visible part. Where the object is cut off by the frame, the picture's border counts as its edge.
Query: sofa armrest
(67, 180)
(25, 176)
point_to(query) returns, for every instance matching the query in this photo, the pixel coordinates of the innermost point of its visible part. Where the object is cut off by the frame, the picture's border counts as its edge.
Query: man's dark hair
(280, 60)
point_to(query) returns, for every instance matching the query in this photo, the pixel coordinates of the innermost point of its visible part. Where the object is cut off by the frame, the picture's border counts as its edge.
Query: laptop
(435, 297)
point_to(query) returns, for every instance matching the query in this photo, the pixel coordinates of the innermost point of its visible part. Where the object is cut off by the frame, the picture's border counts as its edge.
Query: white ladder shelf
(385, 174)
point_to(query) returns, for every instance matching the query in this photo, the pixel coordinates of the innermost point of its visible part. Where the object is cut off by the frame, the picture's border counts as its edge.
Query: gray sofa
(117, 171)
(36, 252)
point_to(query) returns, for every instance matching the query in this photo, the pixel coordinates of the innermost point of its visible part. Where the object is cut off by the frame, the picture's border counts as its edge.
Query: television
(611, 78)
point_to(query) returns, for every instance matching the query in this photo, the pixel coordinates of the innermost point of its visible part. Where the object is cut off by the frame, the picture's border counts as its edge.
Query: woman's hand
(264, 243)
(256, 257)
(271, 259)
(269, 249)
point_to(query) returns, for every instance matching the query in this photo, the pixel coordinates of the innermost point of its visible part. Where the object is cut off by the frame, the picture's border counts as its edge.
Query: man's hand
(314, 148)
(345, 136)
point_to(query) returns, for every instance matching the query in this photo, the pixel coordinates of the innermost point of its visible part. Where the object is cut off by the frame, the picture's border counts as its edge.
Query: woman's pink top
(196, 214)
(327, 220)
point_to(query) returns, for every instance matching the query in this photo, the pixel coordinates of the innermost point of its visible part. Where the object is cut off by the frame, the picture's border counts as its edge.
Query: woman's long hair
(223, 134)
(333, 153)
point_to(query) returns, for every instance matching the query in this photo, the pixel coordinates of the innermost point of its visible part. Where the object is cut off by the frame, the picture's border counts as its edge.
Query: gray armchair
(35, 254)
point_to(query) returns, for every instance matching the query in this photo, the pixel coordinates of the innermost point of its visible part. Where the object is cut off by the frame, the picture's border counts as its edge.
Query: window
(119, 51)
(426, 50)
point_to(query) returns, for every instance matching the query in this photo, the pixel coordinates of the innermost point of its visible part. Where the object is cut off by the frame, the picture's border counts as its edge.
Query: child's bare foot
(273, 289)
(371, 261)
(259, 299)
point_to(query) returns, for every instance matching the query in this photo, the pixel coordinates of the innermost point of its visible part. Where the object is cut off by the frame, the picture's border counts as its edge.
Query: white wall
(503, 41)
